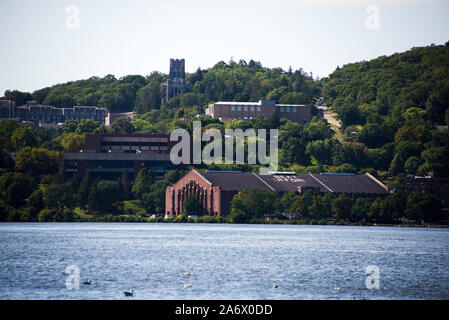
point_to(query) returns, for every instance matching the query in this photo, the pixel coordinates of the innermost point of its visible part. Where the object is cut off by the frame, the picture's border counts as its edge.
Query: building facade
(37, 113)
(105, 156)
(227, 111)
(438, 186)
(216, 189)
(176, 81)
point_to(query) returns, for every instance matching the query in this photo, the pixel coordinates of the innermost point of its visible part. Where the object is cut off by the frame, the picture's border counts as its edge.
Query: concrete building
(227, 111)
(40, 114)
(216, 189)
(106, 155)
(176, 81)
(7, 109)
(438, 186)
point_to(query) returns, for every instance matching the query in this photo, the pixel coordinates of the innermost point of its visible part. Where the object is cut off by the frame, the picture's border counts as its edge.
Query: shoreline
(224, 220)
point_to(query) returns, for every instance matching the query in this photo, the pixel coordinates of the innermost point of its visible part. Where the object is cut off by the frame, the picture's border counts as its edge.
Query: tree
(105, 197)
(125, 185)
(191, 206)
(361, 208)
(148, 97)
(15, 187)
(58, 196)
(23, 137)
(18, 97)
(341, 207)
(83, 190)
(122, 125)
(73, 142)
(37, 161)
(423, 207)
(320, 150)
(86, 126)
(253, 203)
(144, 180)
(374, 135)
(316, 209)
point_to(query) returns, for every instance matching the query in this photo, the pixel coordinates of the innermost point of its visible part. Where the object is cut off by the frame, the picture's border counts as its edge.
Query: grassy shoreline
(226, 220)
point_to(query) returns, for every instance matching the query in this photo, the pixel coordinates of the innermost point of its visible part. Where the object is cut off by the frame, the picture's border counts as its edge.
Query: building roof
(234, 181)
(337, 183)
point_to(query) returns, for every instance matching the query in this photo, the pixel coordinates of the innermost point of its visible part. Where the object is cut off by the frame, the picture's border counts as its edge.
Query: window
(288, 109)
(252, 108)
(258, 108)
(245, 108)
(239, 108)
(232, 108)
(294, 109)
(281, 109)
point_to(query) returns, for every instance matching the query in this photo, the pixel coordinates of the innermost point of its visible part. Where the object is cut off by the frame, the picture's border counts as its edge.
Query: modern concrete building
(40, 114)
(216, 189)
(438, 186)
(105, 156)
(176, 81)
(227, 111)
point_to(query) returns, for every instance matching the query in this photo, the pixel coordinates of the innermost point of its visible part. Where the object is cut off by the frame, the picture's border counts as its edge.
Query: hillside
(388, 86)
(240, 81)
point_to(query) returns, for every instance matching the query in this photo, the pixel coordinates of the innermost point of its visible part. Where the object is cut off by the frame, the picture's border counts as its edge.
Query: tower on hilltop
(176, 81)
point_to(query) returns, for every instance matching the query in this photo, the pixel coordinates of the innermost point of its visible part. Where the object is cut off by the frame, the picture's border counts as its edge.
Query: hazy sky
(44, 43)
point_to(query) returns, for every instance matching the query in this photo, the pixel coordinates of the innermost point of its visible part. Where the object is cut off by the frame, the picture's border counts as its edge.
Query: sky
(45, 42)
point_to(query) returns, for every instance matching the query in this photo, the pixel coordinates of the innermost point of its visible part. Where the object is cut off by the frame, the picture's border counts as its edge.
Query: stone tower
(176, 81)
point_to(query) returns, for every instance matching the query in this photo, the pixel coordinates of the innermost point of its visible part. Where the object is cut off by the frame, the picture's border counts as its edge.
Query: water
(224, 261)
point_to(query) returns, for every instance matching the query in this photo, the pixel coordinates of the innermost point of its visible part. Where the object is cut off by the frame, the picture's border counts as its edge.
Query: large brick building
(105, 156)
(227, 111)
(215, 189)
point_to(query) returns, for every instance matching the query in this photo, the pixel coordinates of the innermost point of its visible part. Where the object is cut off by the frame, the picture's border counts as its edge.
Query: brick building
(176, 83)
(216, 189)
(227, 111)
(105, 156)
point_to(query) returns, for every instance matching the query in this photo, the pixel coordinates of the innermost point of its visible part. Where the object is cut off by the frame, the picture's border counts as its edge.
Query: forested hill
(389, 86)
(233, 81)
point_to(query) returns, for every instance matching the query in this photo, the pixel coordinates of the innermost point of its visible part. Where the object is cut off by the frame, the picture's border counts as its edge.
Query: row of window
(253, 108)
(245, 108)
(287, 109)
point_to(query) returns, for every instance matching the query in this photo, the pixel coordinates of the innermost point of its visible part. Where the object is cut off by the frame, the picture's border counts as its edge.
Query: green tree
(148, 97)
(58, 196)
(125, 185)
(361, 208)
(23, 137)
(342, 206)
(108, 197)
(37, 161)
(15, 188)
(253, 203)
(144, 180)
(86, 126)
(122, 125)
(191, 206)
(73, 142)
(423, 207)
(83, 190)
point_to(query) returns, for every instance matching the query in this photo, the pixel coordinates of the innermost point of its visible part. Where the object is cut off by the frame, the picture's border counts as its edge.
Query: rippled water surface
(224, 261)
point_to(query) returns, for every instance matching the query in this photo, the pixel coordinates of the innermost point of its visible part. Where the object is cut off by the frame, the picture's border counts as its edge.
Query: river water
(224, 261)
